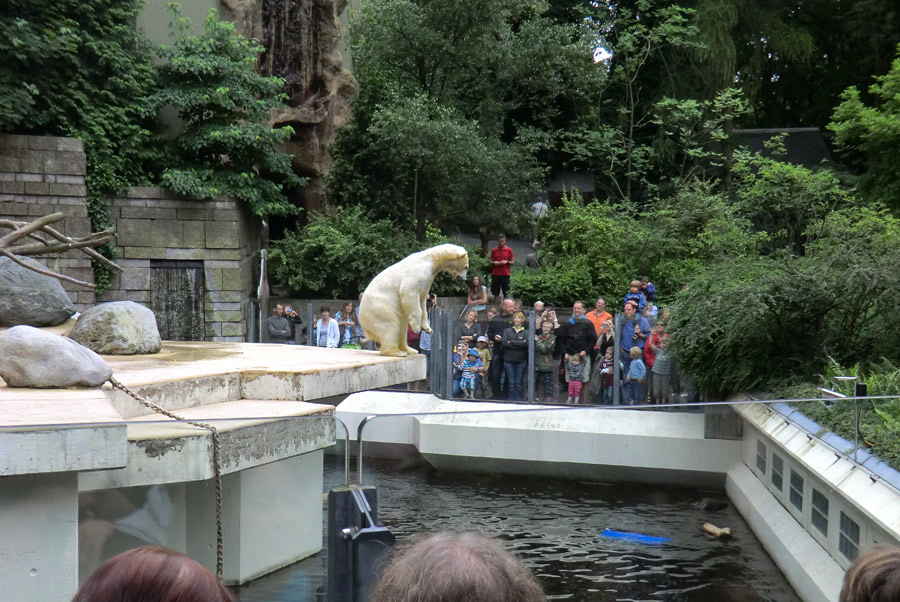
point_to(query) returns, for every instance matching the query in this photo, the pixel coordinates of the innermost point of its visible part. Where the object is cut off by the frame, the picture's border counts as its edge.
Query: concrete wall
(155, 224)
(40, 175)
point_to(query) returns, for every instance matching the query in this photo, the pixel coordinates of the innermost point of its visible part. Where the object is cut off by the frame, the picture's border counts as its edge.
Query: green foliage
(337, 254)
(80, 69)
(457, 99)
(619, 140)
(870, 136)
(785, 201)
(762, 322)
(879, 420)
(224, 148)
(597, 248)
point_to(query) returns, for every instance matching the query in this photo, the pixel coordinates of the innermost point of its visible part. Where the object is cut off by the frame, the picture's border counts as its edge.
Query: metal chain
(217, 469)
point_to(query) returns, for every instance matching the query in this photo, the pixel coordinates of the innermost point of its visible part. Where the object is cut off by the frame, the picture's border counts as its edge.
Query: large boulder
(29, 298)
(30, 357)
(118, 328)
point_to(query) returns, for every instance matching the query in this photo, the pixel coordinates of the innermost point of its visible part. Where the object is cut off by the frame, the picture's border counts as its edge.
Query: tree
(224, 147)
(617, 142)
(868, 136)
(457, 100)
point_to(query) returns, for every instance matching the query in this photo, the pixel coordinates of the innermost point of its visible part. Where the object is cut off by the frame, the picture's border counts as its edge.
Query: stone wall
(154, 227)
(40, 175)
(155, 230)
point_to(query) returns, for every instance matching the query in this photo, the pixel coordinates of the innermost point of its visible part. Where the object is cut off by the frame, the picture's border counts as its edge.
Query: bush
(760, 322)
(336, 255)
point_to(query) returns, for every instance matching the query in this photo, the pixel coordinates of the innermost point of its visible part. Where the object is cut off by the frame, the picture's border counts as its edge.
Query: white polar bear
(396, 297)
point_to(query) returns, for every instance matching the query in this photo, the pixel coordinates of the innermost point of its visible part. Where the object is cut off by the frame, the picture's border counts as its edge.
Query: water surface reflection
(555, 527)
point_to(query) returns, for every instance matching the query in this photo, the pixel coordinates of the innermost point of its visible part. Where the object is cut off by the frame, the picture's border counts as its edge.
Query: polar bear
(396, 297)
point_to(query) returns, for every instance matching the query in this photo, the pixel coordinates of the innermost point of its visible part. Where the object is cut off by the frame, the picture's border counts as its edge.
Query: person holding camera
(278, 327)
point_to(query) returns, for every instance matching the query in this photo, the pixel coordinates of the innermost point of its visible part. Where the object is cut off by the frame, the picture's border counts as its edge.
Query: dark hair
(152, 574)
(873, 577)
(448, 568)
(324, 308)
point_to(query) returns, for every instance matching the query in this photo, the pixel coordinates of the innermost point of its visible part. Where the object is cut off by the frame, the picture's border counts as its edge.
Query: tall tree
(456, 98)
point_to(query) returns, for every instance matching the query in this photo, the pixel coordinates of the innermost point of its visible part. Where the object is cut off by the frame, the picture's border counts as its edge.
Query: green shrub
(337, 254)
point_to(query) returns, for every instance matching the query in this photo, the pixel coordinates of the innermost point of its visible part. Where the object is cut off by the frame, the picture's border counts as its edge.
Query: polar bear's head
(450, 258)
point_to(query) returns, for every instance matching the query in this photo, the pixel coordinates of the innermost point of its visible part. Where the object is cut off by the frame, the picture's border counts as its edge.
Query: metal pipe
(359, 447)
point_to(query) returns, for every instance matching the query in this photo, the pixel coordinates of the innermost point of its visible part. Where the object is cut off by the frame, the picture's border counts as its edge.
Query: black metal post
(530, 365)
(616, 353)
(448, 354)
(310, 325)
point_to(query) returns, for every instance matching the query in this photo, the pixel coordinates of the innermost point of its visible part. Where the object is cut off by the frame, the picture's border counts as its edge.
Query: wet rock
(710, 504)
(30, 357)
(29, 298)
(118, 328)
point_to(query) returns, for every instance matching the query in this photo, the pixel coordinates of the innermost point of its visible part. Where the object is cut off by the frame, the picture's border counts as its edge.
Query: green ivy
(80, 69)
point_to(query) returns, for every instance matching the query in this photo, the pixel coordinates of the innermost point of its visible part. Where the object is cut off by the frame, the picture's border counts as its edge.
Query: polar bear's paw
(393, 352)
(427, 329)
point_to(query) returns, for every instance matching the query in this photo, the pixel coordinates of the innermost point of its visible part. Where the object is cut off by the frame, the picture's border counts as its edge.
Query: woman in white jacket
(328, 333)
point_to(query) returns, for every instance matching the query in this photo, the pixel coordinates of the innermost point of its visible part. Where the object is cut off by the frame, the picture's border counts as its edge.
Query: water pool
(555, 527)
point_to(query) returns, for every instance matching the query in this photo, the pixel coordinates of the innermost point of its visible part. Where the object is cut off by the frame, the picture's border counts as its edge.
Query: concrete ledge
(162, 450)
(58, 431)
(812, 572)
(581, 443)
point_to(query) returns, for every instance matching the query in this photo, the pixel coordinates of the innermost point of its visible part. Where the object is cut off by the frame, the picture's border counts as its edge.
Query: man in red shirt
(501, 259)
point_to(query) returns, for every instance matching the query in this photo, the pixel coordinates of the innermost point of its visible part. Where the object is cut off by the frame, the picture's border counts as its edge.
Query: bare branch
(50, 242)
(46, 272)
(26, 230)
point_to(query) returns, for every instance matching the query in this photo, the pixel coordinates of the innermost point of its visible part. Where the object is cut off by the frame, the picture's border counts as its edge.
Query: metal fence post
(310, 325)
(530, 364)
(617, 394)
(448, 354)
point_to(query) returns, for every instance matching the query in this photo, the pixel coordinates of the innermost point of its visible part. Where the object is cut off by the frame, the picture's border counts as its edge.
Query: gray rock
(30, 298)
(30, 357)
(118, 328)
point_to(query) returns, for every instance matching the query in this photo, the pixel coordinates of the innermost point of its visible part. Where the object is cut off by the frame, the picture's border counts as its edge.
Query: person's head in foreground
(873, 577)
(152, 574)
(456, 568)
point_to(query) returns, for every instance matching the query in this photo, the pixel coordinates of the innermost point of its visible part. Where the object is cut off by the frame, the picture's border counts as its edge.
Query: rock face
(30, 298)
(300, 39)
(30, 357)
(118, 328)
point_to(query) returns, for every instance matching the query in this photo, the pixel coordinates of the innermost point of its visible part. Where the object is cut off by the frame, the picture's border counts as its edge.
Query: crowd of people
(441, 567)
(574, 354)
(341, 330)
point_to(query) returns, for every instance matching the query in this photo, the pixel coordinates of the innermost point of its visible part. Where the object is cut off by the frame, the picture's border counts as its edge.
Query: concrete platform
(61, 447)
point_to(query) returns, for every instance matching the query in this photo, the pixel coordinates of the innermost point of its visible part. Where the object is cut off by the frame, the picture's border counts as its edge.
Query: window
(796, 490)
(777, 471)
(761, 456)
(820, 511)
(848, 542)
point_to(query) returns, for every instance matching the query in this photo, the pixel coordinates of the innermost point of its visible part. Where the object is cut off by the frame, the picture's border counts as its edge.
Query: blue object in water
(634, 537)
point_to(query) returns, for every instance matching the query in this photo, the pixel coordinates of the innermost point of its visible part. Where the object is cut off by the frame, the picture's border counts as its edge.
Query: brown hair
(873, 577)
(152, 574)
(448, 568)
(324, 308)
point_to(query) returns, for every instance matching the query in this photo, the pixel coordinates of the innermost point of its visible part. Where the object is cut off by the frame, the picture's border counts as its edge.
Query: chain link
(217, 469)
